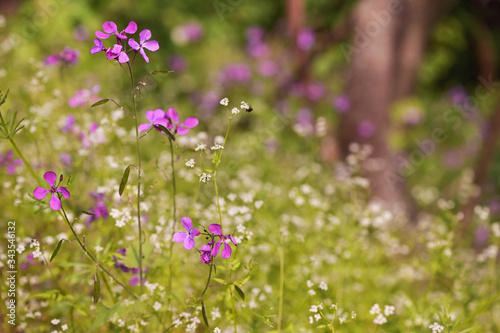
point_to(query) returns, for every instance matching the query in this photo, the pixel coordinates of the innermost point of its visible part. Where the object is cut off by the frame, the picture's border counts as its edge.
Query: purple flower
(305, 39)
(187, 237)
(99, 46)
(100, 210)
(52, 60)
(237, 72)
(342, 103)
(40, 193)
(156, 117)
(69, 56)
(66, 159)
(205, 255)
(117, 52)
(226, 252)
(173, 122)
(366, 129)
(82, 97)
(8, 162)
(177, 63)
(110, 28)
(314, 91)
(187, 33)
(145, 43)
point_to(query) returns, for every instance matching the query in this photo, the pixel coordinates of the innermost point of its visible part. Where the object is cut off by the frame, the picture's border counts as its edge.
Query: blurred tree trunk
(385, 53)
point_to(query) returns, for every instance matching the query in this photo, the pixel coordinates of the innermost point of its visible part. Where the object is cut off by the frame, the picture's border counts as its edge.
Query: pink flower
(40, 193)
(145, 43)
(156, 117)
(226, 252)
(173, 122)
(110, 28)
(187, 237)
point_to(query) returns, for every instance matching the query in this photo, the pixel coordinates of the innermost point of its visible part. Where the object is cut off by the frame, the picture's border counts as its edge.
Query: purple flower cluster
(100, 209)
(68, 56)
(169, 120)
(119, 50)
(7, 161)
(187, 33)
(55, 202)
(84, 97)
(125, 269)
(212, 248)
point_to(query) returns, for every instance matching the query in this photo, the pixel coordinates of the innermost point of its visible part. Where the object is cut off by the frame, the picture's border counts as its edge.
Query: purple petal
(40, 193)
(215, 250)
(109, 27)
(158, 114)
(141, 51)
(182, 131)
(151, 45)
(172, 115)
(226, 253)
(179, 237)
(188, 243)
(121, 36)
(162, 121)
(190, 122)
(96, 49)
(64, 192)
(55, 203)
(215, 229)
(50, 177)
(144, 35)
(144, 127)
(133, 44)
(150, 115)
(205, 248)
(123, 58)
(194, 232)
(102, 35)
(233, 240)
(187, 223)
(131, 28)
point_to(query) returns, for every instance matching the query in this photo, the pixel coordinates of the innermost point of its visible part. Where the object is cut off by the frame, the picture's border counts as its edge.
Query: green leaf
(223, 282)
(103, 315)
(240, 292)
(124, 180)
(56, 251)
(167, 132)
(86, 212)
(204, 313)
(160, 72)
(97, 285)
(101, 102)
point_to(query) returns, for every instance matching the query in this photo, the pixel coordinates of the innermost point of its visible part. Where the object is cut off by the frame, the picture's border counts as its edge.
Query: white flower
(190, 163)
(55, 321)
(375, 309)
(310, 284)
(235, 111)
(389, 310)
(200, 147)
(217, 147)
(217, 330)
(98, 248)
(380, 320)
(323, 286)
(224, 101)
(244, 106)
(157, 306)
(204, 178)
(64, 327)
(311, 292)
(436, 328)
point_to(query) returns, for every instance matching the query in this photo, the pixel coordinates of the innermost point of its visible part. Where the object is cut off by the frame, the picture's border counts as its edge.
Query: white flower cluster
(381, 318)
(200, 147)
(122, 217)
(316, 310)
(235, 111)
(224, 101)
(436, 328)
(190, 163)
(217, 147)
(37, 253)
(204, 178)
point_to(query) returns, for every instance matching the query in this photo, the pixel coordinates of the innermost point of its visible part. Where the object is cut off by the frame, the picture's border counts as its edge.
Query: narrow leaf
(86, 212)
(101, 102)
(240, 292)
(56, 251)
(124, 181)
(160, 72)
(97, 285)
(167, 132)
(204, 313)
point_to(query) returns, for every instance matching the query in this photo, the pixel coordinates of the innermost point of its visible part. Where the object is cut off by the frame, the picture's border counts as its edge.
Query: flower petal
(215, 250)
(205, 248)
(50, 177)
(64, 192)
(182, 131)
(215, 229)
(131, 28)
(55, 203)
(232, 239)
(151, 45)
(190, 122)
(158, 114)
(144, 127)
(188, 243)
(123, 58)
(144, 35)
(133, 44)
(102, 35)
(187, 223)
(40, 193)
(109, 27)
(226, 252)
(172, 115)
(194, 232)
(179, 237)
(143, 53)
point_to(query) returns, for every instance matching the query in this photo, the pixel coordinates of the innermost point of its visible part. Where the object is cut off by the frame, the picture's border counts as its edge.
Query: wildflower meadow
(249, 166)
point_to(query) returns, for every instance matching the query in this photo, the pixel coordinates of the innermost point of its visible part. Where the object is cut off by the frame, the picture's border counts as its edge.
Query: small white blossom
(380, 320)
(204, 178)
(235, 111)
(98, 248)
(217, 147)
(217, 330)
(157, 306)
(190, 163)
(224, 101)
(200, 147)
(64, 327)
(55, 321)
(375, 309)
(436, 328)
(244, 106)
(310, 284)
(389, 310)
(323, 286)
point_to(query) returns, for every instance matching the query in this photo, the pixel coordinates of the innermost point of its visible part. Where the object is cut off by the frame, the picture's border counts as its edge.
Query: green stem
(232, 296)
(174, 214)
(30, 169)
(282, 283)
(138, 176)
(90, 256)
(208, 281)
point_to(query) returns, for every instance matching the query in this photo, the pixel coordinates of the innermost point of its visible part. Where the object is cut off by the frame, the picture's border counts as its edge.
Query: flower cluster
(67, 56)
(381, 317)
(169, 120)
(212, 248)
(119, 50)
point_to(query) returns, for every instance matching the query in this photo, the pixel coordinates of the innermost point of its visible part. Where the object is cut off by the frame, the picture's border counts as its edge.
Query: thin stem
(232, 296)
(208, 281)
(30, 169)
(90, 256)
(174, 213)
(138, 177)
(282, 283)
